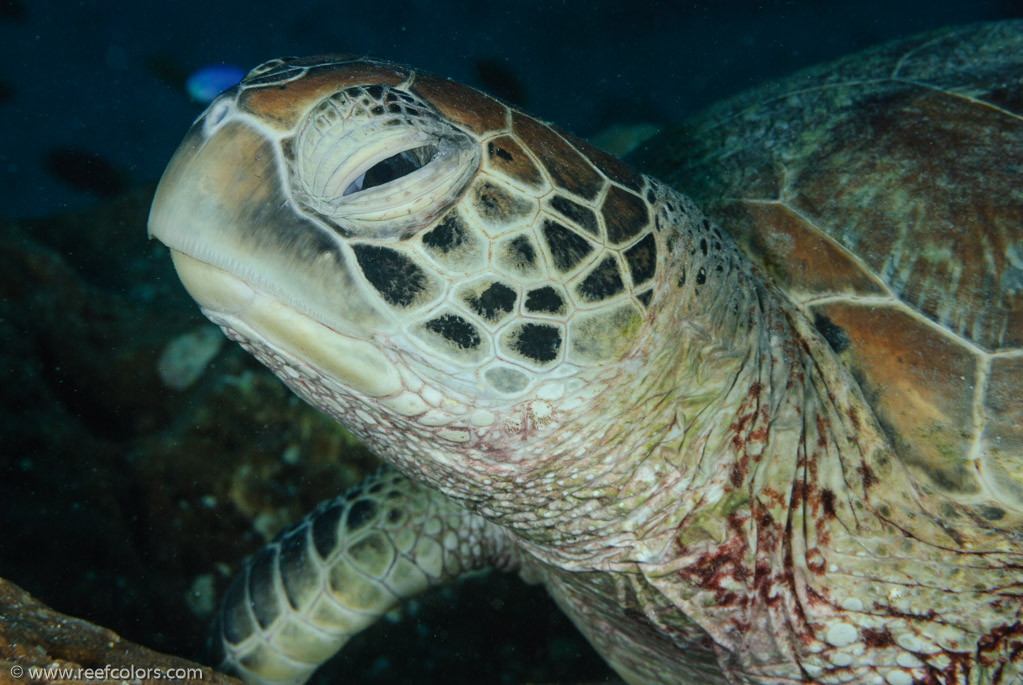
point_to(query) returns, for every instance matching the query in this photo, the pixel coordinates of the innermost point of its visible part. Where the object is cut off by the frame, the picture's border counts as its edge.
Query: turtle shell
(884, 194)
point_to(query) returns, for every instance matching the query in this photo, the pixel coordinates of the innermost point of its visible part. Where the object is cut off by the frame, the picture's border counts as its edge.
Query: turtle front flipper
(335, 572)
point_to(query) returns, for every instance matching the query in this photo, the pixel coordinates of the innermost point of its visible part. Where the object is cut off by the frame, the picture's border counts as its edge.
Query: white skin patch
(540, 413)
(841, 635)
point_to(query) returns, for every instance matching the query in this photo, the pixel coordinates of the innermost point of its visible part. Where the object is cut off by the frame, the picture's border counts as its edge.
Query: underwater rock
(185, 357)
(34, 636)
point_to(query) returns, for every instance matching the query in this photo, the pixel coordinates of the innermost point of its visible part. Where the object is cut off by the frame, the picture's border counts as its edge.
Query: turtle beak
(256, 265)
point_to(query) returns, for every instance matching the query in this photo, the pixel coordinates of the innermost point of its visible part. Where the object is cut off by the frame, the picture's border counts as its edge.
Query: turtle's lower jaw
(257, 319)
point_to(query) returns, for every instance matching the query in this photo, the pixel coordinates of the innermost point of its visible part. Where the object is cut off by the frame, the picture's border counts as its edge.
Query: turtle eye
(392, 168)
(378, 162)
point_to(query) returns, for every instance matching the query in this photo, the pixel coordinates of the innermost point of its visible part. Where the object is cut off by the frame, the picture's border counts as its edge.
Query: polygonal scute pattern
(537, 344)
(578, 214)
(506, 156)
(567, 169)
(483, 116)
(625, 215)
(451, 335)
(499, 208)
(601, 336)
(396, 276)
(519, 257)
(603, 282)
(489, 299)
(455, 245)
(568, 248)
(642, 260)
(546, 300)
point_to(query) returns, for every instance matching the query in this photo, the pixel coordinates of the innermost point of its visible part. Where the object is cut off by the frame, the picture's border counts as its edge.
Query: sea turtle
(781, 446)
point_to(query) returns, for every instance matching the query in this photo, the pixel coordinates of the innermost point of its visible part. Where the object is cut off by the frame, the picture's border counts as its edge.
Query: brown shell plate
(884, 194)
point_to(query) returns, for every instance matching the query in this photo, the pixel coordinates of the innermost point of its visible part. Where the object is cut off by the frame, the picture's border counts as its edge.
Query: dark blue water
(106, 78)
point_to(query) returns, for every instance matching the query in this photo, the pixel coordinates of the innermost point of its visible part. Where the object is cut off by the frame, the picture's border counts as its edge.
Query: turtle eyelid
(392, 168)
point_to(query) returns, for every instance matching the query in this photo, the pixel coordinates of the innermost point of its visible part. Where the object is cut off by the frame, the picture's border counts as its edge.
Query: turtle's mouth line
(267, 321)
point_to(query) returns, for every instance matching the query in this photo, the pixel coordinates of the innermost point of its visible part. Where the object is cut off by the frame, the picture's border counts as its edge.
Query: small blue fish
(209, 82)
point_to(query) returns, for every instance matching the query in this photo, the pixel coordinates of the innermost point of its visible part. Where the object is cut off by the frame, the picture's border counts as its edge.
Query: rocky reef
(144, 458)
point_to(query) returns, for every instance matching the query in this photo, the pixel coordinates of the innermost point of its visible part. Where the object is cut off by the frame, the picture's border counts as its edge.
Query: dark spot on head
(603, 282)
(835, 335)
(545, 300)
(581, 216)
(567, 247)
(396, 277)
(650, 197)
(456, 329)
(681, 277)
(494, 302)
(642, 259)
(703, 246)
(449, 235)
(538, 342)
(507, 155)
(359, 514)
(644, 297)
(701, 276)
(376, 92)
(493, 150)
(325, 530)
(377, 110)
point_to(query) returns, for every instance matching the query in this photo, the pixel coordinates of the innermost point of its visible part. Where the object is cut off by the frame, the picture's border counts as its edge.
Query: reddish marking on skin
(815, 561)
(998, 640)
(821, 528)
(823, 428)
(725, 561)
(868, 476)
(877, 638)
(828, 503)
(738, 475)
(854, 418)
(818, 598)
(798, 495)
(772, 496)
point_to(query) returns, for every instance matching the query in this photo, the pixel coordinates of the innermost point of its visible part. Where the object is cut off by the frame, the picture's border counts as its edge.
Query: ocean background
(130, 501)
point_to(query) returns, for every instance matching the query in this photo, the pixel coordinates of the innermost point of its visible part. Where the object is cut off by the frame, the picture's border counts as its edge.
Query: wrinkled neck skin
(704, 411)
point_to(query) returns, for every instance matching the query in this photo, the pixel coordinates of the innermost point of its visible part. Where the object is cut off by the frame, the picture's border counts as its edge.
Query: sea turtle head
(411, 255)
